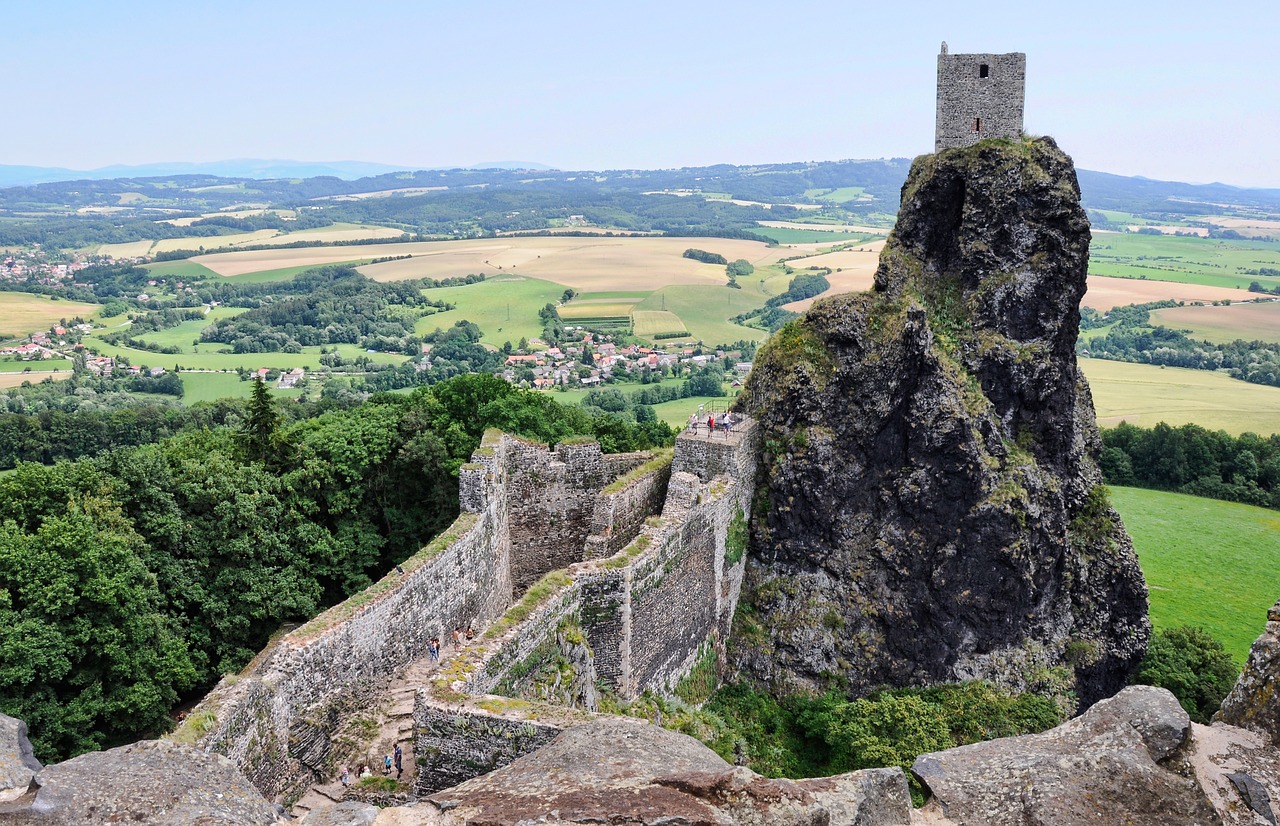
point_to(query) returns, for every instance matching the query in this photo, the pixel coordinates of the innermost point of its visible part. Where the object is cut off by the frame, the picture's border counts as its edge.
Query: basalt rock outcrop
(1135, 758)
(1254, 702)
(929, 504)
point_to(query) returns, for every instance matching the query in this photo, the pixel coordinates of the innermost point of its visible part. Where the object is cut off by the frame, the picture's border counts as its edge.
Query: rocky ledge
(154, 782)
(1134, 759)
(931, 506)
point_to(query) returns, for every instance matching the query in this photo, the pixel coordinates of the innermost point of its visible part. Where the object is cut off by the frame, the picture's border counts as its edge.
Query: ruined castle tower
(979, 96)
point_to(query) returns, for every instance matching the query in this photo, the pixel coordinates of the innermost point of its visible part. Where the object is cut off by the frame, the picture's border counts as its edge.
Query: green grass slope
(1207, 563)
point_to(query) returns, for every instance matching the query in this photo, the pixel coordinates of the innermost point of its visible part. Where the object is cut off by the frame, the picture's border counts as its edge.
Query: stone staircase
(395, 725)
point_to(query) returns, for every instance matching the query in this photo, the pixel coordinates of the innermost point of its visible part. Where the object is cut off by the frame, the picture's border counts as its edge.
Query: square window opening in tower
(984, 70)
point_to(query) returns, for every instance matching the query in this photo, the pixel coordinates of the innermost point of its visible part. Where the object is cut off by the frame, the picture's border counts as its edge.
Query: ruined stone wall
(276, 720)
(525, 507)
(973, 105)
(277, 723)
(553, 497)
(647, 610)
(618, 514)
(453, 745)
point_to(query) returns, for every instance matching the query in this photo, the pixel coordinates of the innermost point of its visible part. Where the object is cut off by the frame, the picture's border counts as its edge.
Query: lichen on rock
(930, 478)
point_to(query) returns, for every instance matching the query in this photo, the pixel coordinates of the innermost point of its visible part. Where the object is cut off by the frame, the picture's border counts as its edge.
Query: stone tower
(979, 96)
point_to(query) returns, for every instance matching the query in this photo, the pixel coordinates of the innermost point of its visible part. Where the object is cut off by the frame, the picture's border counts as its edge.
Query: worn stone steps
(395, 725)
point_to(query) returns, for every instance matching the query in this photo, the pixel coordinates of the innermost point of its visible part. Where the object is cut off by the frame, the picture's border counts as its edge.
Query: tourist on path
(399, 756)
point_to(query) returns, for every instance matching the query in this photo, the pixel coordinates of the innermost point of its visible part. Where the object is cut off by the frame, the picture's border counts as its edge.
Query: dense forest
(1191, 459)
(331, 305)
(132, 579)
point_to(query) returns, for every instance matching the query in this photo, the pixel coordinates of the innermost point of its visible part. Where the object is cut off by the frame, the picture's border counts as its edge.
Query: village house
(101, 365)
(291, 378)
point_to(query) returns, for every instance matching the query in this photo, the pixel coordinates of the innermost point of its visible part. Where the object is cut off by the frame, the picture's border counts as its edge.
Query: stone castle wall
(552, 504)
(971, 106)
(523, 506)
(646, 613)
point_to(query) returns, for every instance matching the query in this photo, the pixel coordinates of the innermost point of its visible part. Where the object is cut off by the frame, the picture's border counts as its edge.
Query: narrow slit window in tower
(977, 124)
(984, 70)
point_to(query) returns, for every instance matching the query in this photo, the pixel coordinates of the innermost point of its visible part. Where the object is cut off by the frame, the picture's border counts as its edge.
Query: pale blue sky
(1172, 90)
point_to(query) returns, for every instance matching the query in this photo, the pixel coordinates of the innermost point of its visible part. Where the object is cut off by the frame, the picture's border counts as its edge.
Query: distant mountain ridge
(11, 175)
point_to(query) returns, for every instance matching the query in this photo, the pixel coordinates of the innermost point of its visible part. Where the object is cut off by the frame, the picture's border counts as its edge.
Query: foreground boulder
(154, 782)
(932, 505)
(1105, 761)
(1134, 759)
(18, 763)
(626, 771)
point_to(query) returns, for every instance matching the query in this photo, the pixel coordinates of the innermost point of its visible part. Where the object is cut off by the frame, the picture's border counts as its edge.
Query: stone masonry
(640, 539)
(979, 96)
(524, 505)
(646, 614)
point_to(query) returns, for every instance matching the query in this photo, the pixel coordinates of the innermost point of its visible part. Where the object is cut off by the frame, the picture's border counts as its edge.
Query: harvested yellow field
(22, 314)
(131, 249)
(1263, 227)
(1165, 229)
(857, 269)
(1105, 292)
(1146, 394)
(858, 266)
(593, 309)
(381, 193)
(338, 233)
(238, 239)
(586, 264)
(231, 213)
(653, 322)
(1221, 325)
(8, 380)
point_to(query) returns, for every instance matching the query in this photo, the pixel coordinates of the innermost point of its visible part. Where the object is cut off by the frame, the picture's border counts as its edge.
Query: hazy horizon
(1174, 95)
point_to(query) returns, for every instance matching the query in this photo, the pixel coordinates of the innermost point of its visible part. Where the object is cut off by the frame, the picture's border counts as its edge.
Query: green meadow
(219, 357)
(785, 235)
(1209, 261)
(1207, 563)
(706, 310)
(505, 307)
(180, 269)
(285, 273)
(840, 195)
(675, 413)
(183, 335)
(207, 387)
